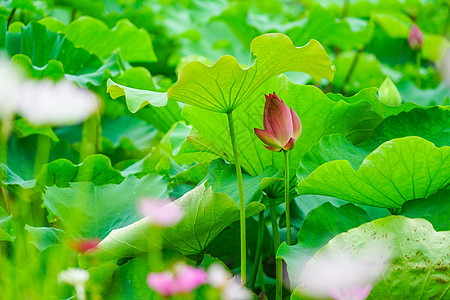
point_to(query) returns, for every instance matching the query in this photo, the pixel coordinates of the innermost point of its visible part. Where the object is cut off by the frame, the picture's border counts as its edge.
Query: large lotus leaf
(321, 25)
(92, 34)
(431, 124)
(222, 179)
(207, 213)
(321, 225)
(87, 210)
(136, 99)
(41, 45)
(433, 209)
(95, 168)
(425, 97)
(320, 116)
(44, 237)
(366, 73)
(420, 257)
(225, 86)
(22, 128)
(7, 227)
(137, 86)
(399, 170)
(21, 159)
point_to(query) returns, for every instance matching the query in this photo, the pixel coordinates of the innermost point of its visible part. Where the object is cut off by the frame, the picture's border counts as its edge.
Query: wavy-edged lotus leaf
(320, 116)
(397, 171)
(44, 237)
(135, 44)
(431, 123)
(225, 86)
(22, 128)
(433, 209)
(137, 82)
(320, 226)
(136, 99)
(95, 168)
(7, 227)
(88, 211)
(420, 257)
(207, 213)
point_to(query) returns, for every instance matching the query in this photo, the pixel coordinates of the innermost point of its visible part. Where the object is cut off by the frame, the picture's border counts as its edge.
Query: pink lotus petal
(189, 278)
(163, 283)
(415, 38)
(162, 213)
(351, 293)
(268, 138)
(289, 145)
(278, 119)
(83, 246)
(274, 149)
(296, 124)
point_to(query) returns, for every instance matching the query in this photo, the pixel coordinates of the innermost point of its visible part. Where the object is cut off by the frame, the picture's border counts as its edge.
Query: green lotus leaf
(95, 168)
(432, 209)
(420, 257)
(7, 227)
(161, 117)
(135, 44)
(44, 237)
(320, 116)
(397, 171)
(431, 124)
(320, 226)
(136, 99)
(225, 86)
(87, 210)
(207, 214)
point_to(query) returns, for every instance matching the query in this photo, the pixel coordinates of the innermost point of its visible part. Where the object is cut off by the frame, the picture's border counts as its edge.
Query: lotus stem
(276, 245)
(92, 136)
(241, 197)
(44, 144)
(258, 249)
(5, 129)
(418, 62)
(286, 197)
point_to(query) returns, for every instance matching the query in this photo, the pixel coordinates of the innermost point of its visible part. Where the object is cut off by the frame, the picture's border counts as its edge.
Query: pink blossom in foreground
(84, 245)
(353, 293)
(345, 274)
(162, 213)
(163, 283)
(231, 287)
(415, 38)
(62, 103)
(282, 126)
(184, 280)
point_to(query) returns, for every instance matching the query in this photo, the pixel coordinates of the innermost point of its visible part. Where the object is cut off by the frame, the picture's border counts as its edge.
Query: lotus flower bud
(415, 38)
(282, 126)
(389, 93)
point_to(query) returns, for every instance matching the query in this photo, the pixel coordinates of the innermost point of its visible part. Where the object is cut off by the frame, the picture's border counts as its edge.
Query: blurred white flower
(159, 212)
(77, 278)
(62, 103)
(345, 274)
(231, 287)
(10, 85)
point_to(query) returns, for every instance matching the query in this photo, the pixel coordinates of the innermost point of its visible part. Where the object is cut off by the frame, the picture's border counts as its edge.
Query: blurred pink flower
(62, 103)
(184, 280)
(282, 126)
(353, 293)
(415, 38)
(163, 283)
(162, 213)
(230, 287)
(84, 245)
(345, 273)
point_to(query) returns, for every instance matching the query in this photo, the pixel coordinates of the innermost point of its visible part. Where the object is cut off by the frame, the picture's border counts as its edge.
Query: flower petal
(296, 125)
(274, 149)
(278, 119)
(289, 145)
(268, 138)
